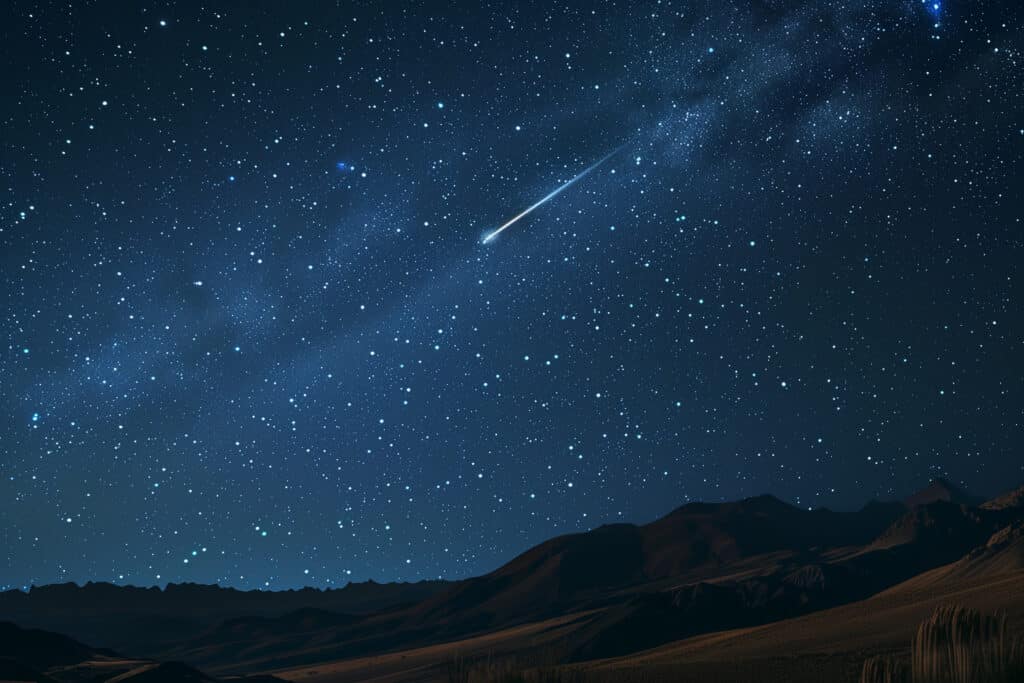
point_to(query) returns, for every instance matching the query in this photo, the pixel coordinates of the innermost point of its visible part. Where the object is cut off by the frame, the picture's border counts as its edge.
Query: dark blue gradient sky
(251, 334)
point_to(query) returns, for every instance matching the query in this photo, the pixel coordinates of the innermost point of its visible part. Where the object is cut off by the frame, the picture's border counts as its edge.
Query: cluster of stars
(252, 336)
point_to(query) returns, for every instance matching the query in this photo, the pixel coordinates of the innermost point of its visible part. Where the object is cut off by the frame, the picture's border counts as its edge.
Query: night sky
(252, 333)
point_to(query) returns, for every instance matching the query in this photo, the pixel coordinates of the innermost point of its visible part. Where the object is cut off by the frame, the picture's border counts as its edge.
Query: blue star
(342, 166)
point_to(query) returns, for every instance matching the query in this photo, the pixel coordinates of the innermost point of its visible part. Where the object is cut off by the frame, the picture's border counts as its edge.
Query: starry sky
(252, 334)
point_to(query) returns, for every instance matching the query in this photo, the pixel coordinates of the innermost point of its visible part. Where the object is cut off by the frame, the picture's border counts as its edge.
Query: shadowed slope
(41, 649)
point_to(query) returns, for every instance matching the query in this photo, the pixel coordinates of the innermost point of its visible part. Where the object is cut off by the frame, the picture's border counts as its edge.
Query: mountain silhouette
(941, 490)
(144, 621)
(612, 591)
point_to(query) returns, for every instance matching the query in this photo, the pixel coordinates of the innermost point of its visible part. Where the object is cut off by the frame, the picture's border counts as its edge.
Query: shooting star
(497, 231)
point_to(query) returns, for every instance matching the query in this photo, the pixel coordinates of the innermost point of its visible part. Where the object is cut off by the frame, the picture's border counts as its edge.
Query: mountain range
(615, 596)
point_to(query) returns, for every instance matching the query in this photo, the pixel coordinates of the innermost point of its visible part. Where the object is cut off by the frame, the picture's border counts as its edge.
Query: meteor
(557, 191)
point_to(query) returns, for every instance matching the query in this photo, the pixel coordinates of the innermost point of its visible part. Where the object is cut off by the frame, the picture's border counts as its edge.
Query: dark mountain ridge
(942, 490)
(697, 539)
(700, 568)
(144, 621)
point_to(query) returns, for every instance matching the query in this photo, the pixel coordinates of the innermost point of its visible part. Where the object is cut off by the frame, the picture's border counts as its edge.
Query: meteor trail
(494, 233)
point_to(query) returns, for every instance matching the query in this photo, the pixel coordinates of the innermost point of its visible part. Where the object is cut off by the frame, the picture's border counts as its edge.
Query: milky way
(251, 335)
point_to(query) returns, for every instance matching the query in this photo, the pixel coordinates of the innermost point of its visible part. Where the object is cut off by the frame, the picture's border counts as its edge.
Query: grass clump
(885, 669)
(961, 645)
(954, 645)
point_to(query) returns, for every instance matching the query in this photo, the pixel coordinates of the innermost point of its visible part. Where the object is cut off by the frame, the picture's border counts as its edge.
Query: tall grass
(954, 645)
(885, 669)
(961, 645)
(458, 669)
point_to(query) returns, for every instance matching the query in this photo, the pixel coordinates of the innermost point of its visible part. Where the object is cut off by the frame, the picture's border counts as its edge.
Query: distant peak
(766, 502)
(765, 498)
(940, 490)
